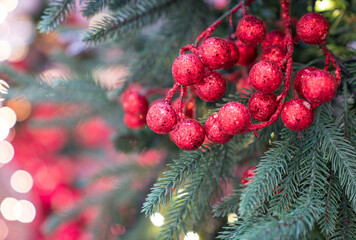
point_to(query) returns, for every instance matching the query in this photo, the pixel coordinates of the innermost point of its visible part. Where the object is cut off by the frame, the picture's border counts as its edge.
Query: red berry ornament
(297, 114)
(161, 118)
(214, 132)
(262, 105)
(212, 87)
(273, 38)
(187, 69)
(248, 174)
(273, 53)
(188, 134)
(234, 118)
(251, 30)
(134, 103)
(134, 121)
(266, 76)
(312, 28)
(248, 53)
(218, 53)
(319, 86)
(299, 78)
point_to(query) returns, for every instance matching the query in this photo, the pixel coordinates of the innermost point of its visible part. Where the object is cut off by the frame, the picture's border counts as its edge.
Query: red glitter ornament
(262, 105)
(214, 132)
(248, 53)
(218, 53)
(251, 30)
(273, 38)
(266, 76)
(297, 114)
(234, 118)
(312, 28)
(212, 87)
(188, 134)
(161, 118)
(134, 121)
(134, 103)
(319, 86)
(188, 69)
(273, 53)
(299, 78)
(248, 174)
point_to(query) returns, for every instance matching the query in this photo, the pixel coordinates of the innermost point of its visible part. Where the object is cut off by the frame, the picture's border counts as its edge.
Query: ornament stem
(171, 93)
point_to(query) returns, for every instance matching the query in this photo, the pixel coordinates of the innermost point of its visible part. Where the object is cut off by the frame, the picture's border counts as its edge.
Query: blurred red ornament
(249, 173)
(248, 53)
(273, 38)
(94, 132)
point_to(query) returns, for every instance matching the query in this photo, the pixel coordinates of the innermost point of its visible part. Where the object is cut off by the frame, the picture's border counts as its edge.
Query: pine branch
(91, 7)
(346, 225)
(55, 14)
(117, 4)
(129, 18)
(227, 205)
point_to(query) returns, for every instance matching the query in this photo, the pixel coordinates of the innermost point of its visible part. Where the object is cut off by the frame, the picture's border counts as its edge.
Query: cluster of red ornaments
(135, 107)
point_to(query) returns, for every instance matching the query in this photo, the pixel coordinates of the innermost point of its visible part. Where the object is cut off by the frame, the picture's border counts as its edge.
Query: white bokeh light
(7, 152)
(4, 129)
(8, 115)
(8, 208)
(24, 211)
(4, 230)
(21, 181)
(5, 49)
(9, 4)
(157, 219)
(191, 236)
(3, 13)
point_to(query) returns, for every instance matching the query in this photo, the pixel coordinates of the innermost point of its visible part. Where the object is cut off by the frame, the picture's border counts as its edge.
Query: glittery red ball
(299, 78)
(248, 174)
(273, 53)
(251, 30)
(297, 114)
(161, 118)
(248, 53)
(266, 76)
(262, 105)
(319, 86)
(273, 38)
(188, 134)
(134, 103)
(234, 118)
(218, 53)
(187, 69)
(212, 88)
(312, 28)
(134, 121)
(214, 132)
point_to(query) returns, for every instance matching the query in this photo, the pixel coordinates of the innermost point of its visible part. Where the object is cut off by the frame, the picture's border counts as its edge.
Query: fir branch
(91, 7)
(227, 205)
(346, 225)
(117, 4)
(55, 14)
(128, 19)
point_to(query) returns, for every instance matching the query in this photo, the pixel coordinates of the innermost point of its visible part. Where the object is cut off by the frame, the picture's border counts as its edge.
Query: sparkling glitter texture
(218, 53)
(234, 118)
(319, 86)
(266, 76)
(214, 132)
(134, 103)
(248, 53)
(262, 105)
(247, 174)
(188, 135)
(134, 121)
(187, 69)
(273, 38)
(161, 118)
(299, 78)
(251, 30)
(312, 28)
(297, 114)
(273, 53)
(212, 88)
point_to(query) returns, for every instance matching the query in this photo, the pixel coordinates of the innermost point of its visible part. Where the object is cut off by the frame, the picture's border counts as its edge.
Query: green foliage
(93, 6)
(227, 205)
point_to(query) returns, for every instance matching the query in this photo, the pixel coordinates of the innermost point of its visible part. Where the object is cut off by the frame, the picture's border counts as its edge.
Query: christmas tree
(205, 119)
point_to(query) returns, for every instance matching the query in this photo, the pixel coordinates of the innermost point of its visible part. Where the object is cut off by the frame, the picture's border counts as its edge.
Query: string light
(8, 115)
(324, 5)
(6, 152)
(7, 208)
(5, 47)
(191, 236)
(3, 13)
(9, 4)
(21, 181)
(157, 219)
(231, 218)
(4, 129)
(25, 211)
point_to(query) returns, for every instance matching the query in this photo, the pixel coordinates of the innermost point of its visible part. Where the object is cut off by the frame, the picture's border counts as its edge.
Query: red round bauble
(212, 88)
(299, 78)
(312, 28)
(214, 132)
(218, 53)
(234, 118)
(297, 114)
(161, 118)
(273, 53)
(266, 76)
(262, 105)
(319, 86)
(273, 38)
(248, 174)
(248, 53)
(188, 69)
(251, 30)
(188, 134)
(134, 121)
(134, 103)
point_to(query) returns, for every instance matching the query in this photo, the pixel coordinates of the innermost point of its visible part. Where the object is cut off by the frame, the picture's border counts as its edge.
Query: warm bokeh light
(5, 47)
(95, 21)
(6, 152)
(324, 5)
(9, 4)
(4, 129)
(19, 53)
(8, 208)
(22, 30)
(157, 219)
(21, 181)
(4, 230)
(3, 13)
(21, 106)
(24, 211)
(4, 87)
(8, 115)
(191, 236)
(231, 218)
